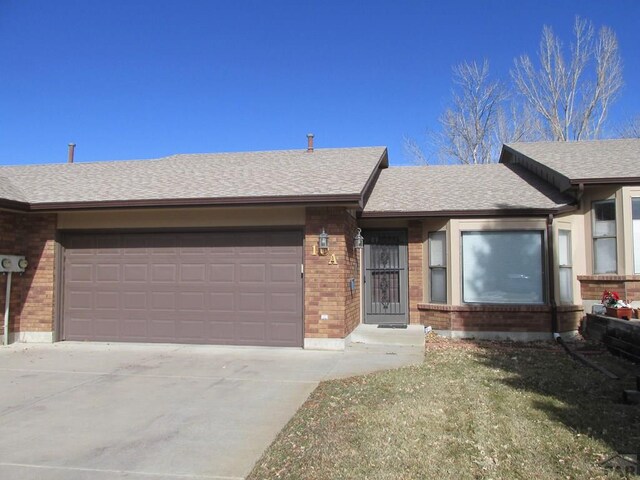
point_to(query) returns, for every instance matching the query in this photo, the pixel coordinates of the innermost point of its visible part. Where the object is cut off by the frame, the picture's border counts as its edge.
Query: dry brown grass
(472, 410)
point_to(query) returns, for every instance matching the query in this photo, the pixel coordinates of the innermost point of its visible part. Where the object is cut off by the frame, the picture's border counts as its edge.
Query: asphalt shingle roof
(461, 188)
(256, 175)
(586, 160)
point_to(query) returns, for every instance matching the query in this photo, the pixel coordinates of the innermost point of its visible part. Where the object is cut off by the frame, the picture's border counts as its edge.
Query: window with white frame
(438, 267)
(565, 267)
(605, 259)
(503, 267)
(635, 213)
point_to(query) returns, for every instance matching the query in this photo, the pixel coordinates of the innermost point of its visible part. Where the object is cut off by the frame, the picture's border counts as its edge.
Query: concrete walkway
(102, 411)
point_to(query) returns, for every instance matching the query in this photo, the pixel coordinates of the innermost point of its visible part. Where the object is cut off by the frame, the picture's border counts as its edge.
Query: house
(230, 248)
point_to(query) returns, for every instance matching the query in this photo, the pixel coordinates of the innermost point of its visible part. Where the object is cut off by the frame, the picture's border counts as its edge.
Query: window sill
(485, 307)
(608, 277)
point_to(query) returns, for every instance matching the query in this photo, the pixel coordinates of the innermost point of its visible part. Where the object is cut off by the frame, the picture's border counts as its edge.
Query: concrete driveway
(104, 411)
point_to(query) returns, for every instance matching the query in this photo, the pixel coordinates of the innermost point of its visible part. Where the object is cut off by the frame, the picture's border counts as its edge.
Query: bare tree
(414, 151)
(468, 126)
(630, 129)
(517, 123)
(572, 103)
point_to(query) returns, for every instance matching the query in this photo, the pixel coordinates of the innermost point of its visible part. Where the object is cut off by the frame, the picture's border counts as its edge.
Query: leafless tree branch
(572, 101)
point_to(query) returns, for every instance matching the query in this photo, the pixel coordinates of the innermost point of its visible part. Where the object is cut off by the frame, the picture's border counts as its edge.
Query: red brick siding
(416, 278)
(569, 318)
(32, 293)
(498, 318)
(352, 270)
(627, 286)
(326, 286)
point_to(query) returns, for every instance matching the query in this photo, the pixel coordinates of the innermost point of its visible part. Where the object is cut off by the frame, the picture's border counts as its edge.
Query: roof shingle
(461, 188)
(256, 175)
(586, 160)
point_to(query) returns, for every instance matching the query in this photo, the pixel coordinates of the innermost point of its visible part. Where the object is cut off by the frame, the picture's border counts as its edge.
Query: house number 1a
(332, 259)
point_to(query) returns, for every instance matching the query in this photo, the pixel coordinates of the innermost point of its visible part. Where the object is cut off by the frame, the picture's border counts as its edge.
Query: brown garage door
(239, 288)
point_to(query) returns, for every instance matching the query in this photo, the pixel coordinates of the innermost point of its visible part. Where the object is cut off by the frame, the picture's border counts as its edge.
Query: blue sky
(146, 78)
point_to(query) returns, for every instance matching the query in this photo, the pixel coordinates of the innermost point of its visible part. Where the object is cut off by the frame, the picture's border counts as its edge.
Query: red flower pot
(624, 312)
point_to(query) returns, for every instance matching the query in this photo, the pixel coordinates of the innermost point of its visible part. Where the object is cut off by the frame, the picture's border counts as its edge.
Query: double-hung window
(605, 258)
(565, 269)
(438, 267)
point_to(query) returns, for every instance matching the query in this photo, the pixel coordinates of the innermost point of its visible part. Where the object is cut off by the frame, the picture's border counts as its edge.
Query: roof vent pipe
(309, 142)
(72, 149)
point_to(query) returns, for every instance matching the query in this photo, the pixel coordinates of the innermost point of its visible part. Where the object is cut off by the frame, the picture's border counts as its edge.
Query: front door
(385, 277)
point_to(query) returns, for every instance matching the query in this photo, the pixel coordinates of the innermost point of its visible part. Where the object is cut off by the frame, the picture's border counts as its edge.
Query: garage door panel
(222, 273)
(80, 273)
(107, 272)
(164, 272)
(251, 302)
(241, 288)
(162, 330)
(284, 273)
(251, 333)
(80, 300)
(107, 301)
(222, 332)
(281, 331)
(135, 272)
(163, 301)
(283, 303)
(134, 300)
(107, 328)
(193, 273)
(191, 302)
(252, 272)
(222, 302)
(135, 328)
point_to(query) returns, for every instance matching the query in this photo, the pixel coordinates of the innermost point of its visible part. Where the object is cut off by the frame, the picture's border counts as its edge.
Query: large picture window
(635, 209)
(605, 259)
(503, 267)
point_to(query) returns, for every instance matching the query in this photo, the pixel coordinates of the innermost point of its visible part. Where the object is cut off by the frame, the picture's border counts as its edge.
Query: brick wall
(326, 286)
(32, 293)
(498, 318)
(416, 278)
(627, 286)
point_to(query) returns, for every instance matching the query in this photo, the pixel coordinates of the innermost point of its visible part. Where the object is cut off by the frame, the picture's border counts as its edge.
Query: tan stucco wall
(183, 218)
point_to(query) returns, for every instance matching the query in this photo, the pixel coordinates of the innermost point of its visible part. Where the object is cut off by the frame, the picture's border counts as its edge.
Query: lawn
(472, 410)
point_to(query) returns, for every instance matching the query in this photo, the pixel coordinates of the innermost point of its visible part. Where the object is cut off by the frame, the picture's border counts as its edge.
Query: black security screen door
(385, 262)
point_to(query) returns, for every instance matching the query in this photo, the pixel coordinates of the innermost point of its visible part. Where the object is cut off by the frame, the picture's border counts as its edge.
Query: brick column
(326, 286)
(32, 293)
(416, 277)
(38, 282)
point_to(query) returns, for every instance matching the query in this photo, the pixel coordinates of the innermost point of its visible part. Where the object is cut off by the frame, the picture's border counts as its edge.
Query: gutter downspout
(579, 195)
(552, 283)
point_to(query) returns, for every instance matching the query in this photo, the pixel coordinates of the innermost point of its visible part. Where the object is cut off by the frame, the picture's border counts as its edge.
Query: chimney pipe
(309, 142)
(72, 148)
